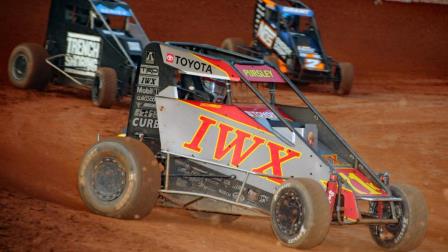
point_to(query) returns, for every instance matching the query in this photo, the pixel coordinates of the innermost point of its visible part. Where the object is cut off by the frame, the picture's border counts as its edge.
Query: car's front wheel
(120, 178)
(300, 213)
(412, 214)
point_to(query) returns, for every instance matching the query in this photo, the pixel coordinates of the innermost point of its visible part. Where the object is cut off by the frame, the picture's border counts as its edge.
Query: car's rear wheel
(27, 67)
(104, 90)
(234, 44)
(120, 178)
(412, 214)
(300, 213)
(342, 85)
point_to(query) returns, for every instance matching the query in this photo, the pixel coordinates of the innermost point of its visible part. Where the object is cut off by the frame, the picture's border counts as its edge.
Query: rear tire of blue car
(105, 88)
(412, 213)
(300, 213)
(342, 85)
(27, 68)
(120, 178)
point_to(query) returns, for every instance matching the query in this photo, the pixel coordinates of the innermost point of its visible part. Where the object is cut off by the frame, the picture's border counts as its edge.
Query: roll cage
(119, 8)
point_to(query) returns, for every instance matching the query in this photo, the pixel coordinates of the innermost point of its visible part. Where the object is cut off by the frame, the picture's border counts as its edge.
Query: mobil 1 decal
(82, 54)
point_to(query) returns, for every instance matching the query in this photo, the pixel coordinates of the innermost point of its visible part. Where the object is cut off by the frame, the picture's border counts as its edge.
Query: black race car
(96, 44)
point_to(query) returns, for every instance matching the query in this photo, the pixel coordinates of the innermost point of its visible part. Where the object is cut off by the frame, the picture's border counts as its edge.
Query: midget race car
(285, 32)
(90, 44)
(223, 134)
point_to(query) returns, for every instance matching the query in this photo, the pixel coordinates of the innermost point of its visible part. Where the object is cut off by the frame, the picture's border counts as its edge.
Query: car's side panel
(206, 134)
(360, 184)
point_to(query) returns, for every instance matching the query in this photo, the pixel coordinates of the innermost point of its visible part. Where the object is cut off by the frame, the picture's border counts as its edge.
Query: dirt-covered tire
(412, 213)
(214, 218)
(27, 67)
(104, 90)
(120, 178)
(342, 85)
(234, 44)
(300, 213)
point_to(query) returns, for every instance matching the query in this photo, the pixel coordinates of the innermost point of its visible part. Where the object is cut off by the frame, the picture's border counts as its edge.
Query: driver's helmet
(217, 88)
(289, 22)
(306, 24)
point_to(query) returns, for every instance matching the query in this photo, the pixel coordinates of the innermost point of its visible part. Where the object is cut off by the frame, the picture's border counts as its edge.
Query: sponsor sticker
(149, 70)
(145, 105)
(189, 63)
(261, 114)
(134, 46)
(266, 34)
(145, 123)
(147, 113)
(118, 10)
(305, 49)
(147, 90)
(83, 52)
(149, 57)
(259, 73)
(281, 48)
(169, 57)
(272, 164)
(197, 64)
(149, 81)
(296, 11)
(148, 105)
(146, 98)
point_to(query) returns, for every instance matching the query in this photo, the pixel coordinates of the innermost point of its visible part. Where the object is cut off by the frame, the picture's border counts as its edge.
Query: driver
(202, 89)
(289, 25)
(306, 25)
(216, 89)
(289, 22)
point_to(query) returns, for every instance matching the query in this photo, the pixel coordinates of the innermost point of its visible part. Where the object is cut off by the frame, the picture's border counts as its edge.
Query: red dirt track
(396, 118)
